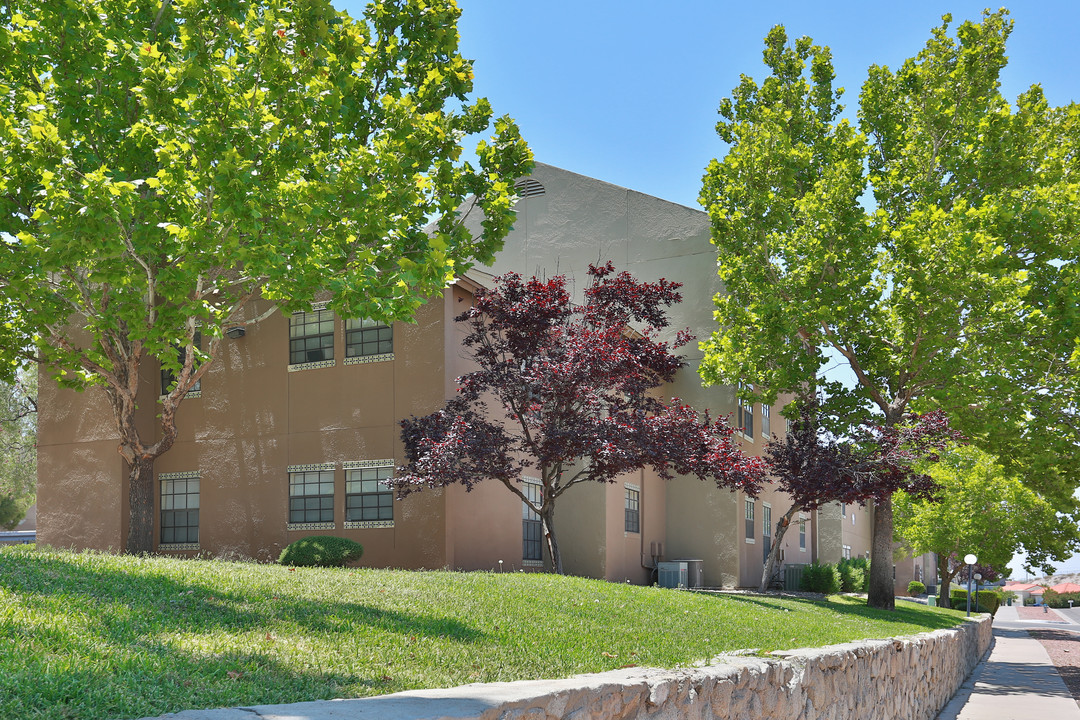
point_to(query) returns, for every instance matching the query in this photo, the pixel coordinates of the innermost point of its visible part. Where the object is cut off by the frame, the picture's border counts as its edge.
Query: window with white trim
(532, 549)
(367, 340)
(632, 510)
(745, 416)
(179, 508)
(369, 501)
(311, 495)
(802, 532)
(311, 338)
(766, 421)
(766, 531)
(749, 510)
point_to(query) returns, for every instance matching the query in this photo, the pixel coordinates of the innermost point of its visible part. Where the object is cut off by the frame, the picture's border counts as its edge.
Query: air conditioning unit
(680, 574)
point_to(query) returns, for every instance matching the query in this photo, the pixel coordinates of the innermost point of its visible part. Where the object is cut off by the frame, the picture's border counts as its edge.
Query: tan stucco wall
(253, 420)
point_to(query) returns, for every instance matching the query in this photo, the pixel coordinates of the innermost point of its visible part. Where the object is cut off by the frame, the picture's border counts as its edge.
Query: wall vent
(527, 187)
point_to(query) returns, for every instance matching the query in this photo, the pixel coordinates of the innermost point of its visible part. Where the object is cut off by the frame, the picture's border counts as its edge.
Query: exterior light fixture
(236, 332)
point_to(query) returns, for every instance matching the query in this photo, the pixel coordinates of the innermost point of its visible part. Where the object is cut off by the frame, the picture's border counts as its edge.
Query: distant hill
(1053, 579)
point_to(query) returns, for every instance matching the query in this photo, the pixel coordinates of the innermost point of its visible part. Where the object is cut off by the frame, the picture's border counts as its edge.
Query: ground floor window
(766, 531)
(632, 513)
(179, 508)
(749, 520)
(531, 531)
(367, 497)
(311, 495)
(802, 532)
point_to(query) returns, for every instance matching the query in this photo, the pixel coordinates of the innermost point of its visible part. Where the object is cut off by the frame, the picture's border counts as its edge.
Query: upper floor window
(366, 338)
(168, 377)
(745, 419)
(766, 421)
(311, 337)
(632, 510)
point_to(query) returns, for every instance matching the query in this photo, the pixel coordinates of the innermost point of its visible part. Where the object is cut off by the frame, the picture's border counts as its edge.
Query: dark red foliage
(567, 390)
(816, 468)
(988, 572)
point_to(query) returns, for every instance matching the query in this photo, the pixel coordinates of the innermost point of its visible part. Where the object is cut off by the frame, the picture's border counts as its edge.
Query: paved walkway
(1017, 679)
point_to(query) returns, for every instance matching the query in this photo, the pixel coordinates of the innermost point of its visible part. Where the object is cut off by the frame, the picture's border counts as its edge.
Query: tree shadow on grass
(173, 605)
(86, 641)
(905, 615)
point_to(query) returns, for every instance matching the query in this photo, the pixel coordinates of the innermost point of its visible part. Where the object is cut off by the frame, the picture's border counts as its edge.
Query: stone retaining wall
(909, 678)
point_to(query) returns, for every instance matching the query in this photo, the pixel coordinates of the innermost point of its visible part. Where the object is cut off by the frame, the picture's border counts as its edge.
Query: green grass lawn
(98, 636)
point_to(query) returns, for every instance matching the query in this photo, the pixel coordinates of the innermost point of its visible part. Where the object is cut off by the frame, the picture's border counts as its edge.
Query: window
(749, 521)
(766, 421)
(311, 338)
(168, 377)
(369, 502)
(847, 551)
(802, 532)
(311, 494)
(843, 509)
(531, 547)
(367, 339)
(632, 521)
(766, 530)
(745, 416)
(179, 508)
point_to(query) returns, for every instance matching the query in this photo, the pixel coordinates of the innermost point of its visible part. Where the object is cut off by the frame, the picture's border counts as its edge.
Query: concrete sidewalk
(1017, 680)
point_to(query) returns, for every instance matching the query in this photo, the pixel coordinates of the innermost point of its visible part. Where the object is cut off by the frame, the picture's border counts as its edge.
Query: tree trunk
(547, 518)
(946, 579)
(774, 552)
(141, 505)
(882, 594)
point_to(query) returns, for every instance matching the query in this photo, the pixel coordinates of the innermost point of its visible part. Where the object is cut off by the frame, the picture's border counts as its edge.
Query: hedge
(321, 551)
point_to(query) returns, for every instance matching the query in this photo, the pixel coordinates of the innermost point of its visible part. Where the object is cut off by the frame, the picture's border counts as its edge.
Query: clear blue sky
(627, 91)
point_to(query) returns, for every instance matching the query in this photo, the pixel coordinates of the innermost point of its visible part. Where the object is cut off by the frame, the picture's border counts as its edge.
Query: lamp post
(970, 560)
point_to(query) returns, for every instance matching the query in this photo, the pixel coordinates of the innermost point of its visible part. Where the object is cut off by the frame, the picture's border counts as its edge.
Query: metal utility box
(680, 574)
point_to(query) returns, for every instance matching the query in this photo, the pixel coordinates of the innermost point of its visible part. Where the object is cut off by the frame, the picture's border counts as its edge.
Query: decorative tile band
(321, 305)
(193, 394)
(185, 475)
(632, 486)
(311, 365)
(364, 359)
(310, 526)
(362, 524)
(357, 464)
(311, 467)
(168, 547)
(532, 563)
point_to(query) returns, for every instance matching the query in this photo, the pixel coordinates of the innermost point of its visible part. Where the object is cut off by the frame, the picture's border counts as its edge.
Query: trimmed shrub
(958, 598)
(854, 575)
(987, 601)
(915, 588)
(321, 551)
(1052, 599)
(820, 577)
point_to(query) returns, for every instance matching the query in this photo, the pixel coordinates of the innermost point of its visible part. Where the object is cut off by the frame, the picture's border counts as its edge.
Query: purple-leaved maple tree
(565, 393)
(815, 468)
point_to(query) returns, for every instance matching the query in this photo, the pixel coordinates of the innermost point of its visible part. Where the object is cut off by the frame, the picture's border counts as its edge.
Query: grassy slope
(98, 636)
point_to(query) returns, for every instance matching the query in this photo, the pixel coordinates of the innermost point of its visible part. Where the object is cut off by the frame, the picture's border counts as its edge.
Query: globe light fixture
(970, 559)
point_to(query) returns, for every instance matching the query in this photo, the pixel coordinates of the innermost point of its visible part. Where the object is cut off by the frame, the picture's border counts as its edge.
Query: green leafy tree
(922, 248)
(986, 511)
(164, 163)
(18, 447)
